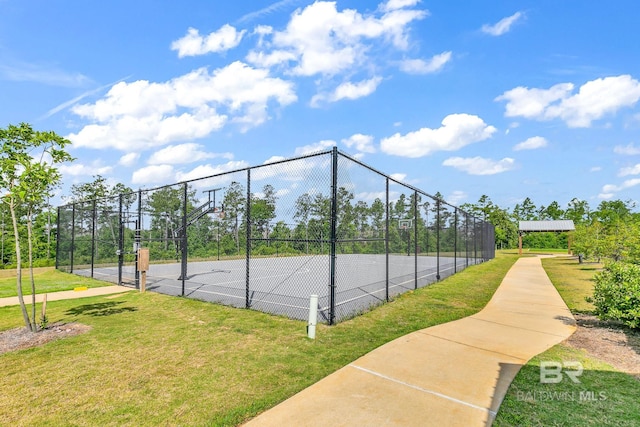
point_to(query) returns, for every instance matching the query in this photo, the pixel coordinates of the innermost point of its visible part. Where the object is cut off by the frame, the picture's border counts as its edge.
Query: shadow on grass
(100, 309)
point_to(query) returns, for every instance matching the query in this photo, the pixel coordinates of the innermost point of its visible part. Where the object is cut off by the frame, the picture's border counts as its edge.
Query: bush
(616, 294)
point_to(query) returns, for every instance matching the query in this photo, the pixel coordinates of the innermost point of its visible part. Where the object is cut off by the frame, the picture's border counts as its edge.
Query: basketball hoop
(405, 224)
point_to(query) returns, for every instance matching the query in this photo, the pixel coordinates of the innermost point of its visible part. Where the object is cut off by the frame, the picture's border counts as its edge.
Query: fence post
(332, 237)
(93, 236)
(415, 239)
(475, 241)
(73, 235)
(120, 250)
(438, 239)
(386, 241)
(137, 238)
(183, 265)
(466, 238)
(57, 240)
(248, 239)
(455, 240)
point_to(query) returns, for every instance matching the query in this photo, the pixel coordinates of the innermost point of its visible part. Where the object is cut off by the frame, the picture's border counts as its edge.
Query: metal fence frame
(461, 239)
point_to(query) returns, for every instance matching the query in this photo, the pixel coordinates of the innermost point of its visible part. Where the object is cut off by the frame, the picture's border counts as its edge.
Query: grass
(152, 359)
(47, 280)
(573, 281)
(604, 396)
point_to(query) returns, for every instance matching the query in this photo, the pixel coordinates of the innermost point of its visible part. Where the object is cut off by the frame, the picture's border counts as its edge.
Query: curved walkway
(454, 374)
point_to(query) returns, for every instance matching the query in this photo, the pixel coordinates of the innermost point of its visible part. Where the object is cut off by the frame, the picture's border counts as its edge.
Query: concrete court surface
(454, 374)
(57, 296)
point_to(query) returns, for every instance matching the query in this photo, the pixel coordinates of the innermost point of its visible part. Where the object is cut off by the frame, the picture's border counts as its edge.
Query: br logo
(551, 372)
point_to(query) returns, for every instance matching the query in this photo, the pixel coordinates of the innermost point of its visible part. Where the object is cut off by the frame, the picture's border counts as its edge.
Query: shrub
(616, 294)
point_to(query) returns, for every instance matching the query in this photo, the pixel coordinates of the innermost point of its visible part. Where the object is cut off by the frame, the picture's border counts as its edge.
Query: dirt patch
(609, 342)
(21, 338)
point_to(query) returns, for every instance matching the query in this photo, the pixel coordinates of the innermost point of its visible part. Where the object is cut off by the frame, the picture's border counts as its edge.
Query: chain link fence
(268, 237)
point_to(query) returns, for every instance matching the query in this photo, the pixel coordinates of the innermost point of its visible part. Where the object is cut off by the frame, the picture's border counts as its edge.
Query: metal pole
(184, 236)
(332, 237)
(455, 240)
(386, 241)
(73, 234)
(248, 238)
(466, 238)
(415, 238)
(138, 238)
(437, 239)
(93, 236)
(120, 240)
(475, 241)
(57, 239)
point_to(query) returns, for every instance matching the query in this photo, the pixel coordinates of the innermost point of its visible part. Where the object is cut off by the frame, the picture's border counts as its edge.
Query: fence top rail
(135, 192)
(292, 159)
(410, 187)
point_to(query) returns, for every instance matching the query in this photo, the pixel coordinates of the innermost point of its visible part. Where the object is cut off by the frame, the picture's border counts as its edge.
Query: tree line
(611, 230)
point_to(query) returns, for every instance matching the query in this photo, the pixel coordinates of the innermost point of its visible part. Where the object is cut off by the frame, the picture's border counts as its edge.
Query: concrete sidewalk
(57, 296)
(454, 374)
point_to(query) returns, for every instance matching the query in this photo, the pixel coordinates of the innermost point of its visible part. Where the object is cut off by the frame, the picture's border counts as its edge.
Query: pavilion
(544, 227)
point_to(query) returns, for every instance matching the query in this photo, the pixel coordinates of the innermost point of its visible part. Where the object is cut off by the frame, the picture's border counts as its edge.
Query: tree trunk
(34, 325)
(14, 220)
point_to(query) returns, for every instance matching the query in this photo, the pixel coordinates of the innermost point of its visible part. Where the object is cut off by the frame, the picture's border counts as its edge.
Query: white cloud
(275, 7)
(129, 159)
(183, 153)
(503, 26)
(362, 143)
(398, 4)
(203, 171)
(456, 197)
(79, 169)
(595, 169)
(457, 131)
(274, 159)
(193, 44)
(319, 39)
(531, 103)
(480, 165)
(532, 143)
(631, 170)
(314, 148)
(47, 74)
(350, 90)
(609, 190)
(142, 114)
(155, 174)
(594, 100)
(399, 176)
(420, 66)
(628, 150)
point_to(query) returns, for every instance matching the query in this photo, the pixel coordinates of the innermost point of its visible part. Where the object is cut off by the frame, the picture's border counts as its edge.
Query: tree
(234, 206)
(577, 211)
(27, 182)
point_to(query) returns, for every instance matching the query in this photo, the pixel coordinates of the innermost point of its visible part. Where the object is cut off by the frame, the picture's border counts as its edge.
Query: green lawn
(604, 396)
(47, 281)
(152, 359)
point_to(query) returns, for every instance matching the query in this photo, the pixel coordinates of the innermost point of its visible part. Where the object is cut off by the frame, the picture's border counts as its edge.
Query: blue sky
(534, 99)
